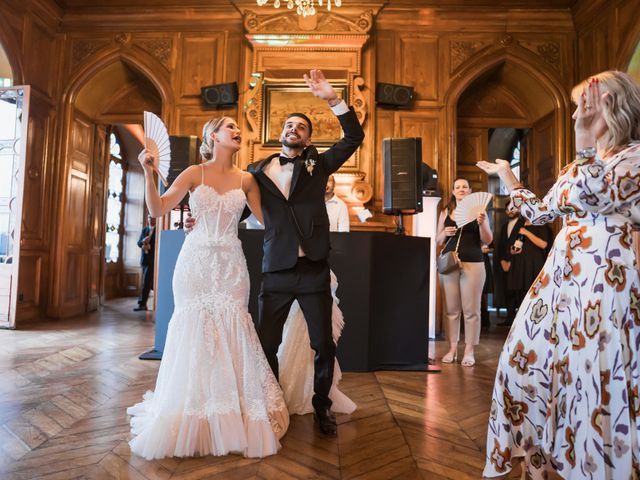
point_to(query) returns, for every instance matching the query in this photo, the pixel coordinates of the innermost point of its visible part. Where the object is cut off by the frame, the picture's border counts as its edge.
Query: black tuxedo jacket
(301, 220)
(146, 259)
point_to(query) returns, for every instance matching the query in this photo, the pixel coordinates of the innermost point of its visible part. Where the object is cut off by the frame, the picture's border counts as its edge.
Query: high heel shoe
(468, 360)
(450, 357)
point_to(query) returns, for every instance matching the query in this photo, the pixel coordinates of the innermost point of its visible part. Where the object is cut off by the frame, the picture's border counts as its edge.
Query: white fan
(156, 141)
(470, 206)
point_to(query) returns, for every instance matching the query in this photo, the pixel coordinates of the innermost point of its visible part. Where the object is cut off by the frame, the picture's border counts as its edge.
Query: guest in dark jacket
(523, 251)
(147, 243)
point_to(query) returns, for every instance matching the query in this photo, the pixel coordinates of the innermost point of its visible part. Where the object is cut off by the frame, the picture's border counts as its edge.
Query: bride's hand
(499, 168)
(146, 160)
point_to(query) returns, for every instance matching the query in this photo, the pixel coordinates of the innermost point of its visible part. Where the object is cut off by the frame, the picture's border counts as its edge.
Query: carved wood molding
(290, 22)
(82, 49)
(160, 48)
(253, 107)
(549, 51)
(461, 51)
(358, 100)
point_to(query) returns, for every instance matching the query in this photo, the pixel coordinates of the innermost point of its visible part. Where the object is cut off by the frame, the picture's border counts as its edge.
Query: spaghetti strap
(202, 172)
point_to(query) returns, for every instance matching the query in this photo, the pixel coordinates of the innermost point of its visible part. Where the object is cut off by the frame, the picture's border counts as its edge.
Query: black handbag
(449, 261)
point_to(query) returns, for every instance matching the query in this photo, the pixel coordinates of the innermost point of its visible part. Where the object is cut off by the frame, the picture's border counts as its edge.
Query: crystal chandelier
(303, 7)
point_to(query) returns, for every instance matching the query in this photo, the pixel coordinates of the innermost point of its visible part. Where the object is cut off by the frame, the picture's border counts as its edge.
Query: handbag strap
(459, 237)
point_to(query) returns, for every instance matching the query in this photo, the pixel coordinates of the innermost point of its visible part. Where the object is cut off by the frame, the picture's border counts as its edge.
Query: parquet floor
(65, 385)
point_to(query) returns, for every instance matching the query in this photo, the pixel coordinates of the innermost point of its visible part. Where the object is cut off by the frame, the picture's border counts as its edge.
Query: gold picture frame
(281, 100)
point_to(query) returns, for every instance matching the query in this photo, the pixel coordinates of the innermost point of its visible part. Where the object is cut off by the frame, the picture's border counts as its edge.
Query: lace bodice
(217, 215)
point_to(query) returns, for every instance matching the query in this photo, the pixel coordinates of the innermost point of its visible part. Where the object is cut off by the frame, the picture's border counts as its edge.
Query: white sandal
(468, 360)
(450, 357)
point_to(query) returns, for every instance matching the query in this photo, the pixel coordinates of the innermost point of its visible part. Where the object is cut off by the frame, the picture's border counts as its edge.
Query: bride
(215, 392)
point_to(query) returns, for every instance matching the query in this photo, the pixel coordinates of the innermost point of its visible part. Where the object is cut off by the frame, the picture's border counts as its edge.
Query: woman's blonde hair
(212, 126)
(621, 110)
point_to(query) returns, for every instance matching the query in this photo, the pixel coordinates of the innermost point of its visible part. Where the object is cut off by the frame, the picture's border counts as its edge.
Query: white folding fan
(470, 206)
(156, 141)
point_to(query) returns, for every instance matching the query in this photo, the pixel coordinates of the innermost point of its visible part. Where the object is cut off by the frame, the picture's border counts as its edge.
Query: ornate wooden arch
(12, 50)
(134, 57)
(482, 64)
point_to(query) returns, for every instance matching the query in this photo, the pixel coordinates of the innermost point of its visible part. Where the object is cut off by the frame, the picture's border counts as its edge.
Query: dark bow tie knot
(284, 160)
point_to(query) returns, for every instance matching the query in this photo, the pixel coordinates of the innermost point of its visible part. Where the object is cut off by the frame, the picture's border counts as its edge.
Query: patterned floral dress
(566, 394)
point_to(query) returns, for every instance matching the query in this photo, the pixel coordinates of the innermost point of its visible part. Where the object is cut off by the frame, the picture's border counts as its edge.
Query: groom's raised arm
(339, 153)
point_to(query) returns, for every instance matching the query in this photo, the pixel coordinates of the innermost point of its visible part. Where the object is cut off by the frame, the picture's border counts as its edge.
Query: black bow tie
(284, 160)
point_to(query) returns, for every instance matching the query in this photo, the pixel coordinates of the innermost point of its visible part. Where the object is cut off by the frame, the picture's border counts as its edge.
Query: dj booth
(383, 287)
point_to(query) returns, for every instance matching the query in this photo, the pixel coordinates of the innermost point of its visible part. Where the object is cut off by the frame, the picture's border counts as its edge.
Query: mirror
(13, 127)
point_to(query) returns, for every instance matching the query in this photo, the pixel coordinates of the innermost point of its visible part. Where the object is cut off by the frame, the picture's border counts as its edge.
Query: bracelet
(585, 153)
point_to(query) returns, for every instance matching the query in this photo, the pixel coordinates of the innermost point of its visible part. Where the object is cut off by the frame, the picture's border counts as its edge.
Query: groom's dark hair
(301, 115)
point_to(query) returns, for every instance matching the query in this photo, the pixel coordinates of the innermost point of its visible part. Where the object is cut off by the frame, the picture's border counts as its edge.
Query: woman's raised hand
(499, 168)
(588, 115)
(146, 160)
(450, 231)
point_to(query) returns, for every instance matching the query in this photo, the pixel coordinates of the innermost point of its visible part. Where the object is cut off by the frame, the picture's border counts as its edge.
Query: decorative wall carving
(549, 51)
(289, 22)
(462, 51)
(253, 106)
(85, 48)
(159, 48)
(358, 100)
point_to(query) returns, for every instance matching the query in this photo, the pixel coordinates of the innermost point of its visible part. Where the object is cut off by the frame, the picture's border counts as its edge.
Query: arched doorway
(104, 108)
(507, 105)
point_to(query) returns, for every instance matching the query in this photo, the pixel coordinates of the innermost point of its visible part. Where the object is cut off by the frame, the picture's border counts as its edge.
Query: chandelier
(303, 7)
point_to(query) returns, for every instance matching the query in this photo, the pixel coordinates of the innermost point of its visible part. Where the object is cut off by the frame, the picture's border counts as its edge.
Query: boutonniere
(310, 163)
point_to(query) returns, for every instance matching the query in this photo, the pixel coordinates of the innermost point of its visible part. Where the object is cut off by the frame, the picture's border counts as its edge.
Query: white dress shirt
(338, 214)
(281, 175)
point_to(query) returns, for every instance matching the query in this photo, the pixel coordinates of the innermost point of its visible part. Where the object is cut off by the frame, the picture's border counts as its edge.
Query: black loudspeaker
(391, 95)
(184, 153)
(221, 95)
(402, 158)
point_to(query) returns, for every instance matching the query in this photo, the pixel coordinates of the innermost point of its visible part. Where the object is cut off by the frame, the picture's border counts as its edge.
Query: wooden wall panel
(419, 65)
(473, 146)
(43, 72)
(202, 63)
(542, 158)
(37, 209)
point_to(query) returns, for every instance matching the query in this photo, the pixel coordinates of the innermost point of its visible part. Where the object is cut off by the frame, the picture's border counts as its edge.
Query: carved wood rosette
(460, 51)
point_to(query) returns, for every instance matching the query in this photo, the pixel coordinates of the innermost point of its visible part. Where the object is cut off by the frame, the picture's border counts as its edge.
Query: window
(5, 82)
(515, 167)
(115, 204)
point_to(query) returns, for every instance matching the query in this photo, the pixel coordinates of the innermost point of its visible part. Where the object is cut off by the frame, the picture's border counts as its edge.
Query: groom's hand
(189, 223)
(321, 87)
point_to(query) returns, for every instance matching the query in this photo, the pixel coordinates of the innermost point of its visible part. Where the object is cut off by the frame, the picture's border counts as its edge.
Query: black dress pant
(309, 283)
(147, 284)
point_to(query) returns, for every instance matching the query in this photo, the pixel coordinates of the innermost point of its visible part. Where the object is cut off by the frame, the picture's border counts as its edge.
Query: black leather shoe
(326, 421)
(140, 308)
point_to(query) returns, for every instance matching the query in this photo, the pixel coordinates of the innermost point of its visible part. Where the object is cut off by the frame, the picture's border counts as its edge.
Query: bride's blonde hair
(621, 110)
(212, 126)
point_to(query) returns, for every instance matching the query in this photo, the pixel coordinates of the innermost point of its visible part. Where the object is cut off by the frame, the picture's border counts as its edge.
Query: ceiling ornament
(303, 7)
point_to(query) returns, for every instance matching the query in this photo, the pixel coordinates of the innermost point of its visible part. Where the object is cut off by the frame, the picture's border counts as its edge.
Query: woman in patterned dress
(566, 395)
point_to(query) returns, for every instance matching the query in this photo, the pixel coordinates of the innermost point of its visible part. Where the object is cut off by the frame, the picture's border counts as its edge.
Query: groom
(296, 240)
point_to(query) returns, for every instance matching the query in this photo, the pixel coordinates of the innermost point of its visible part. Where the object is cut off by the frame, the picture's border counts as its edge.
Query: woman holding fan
(463, 286)
(215, 393)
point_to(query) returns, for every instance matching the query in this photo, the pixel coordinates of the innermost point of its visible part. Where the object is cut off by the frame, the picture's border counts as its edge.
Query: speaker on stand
(402, 160)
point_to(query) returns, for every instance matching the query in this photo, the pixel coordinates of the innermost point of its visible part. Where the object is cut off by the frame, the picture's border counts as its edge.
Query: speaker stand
(400, 225)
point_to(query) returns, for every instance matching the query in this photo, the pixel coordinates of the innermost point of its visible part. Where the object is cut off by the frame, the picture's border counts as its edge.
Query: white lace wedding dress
(295, 361)
(215, 393)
